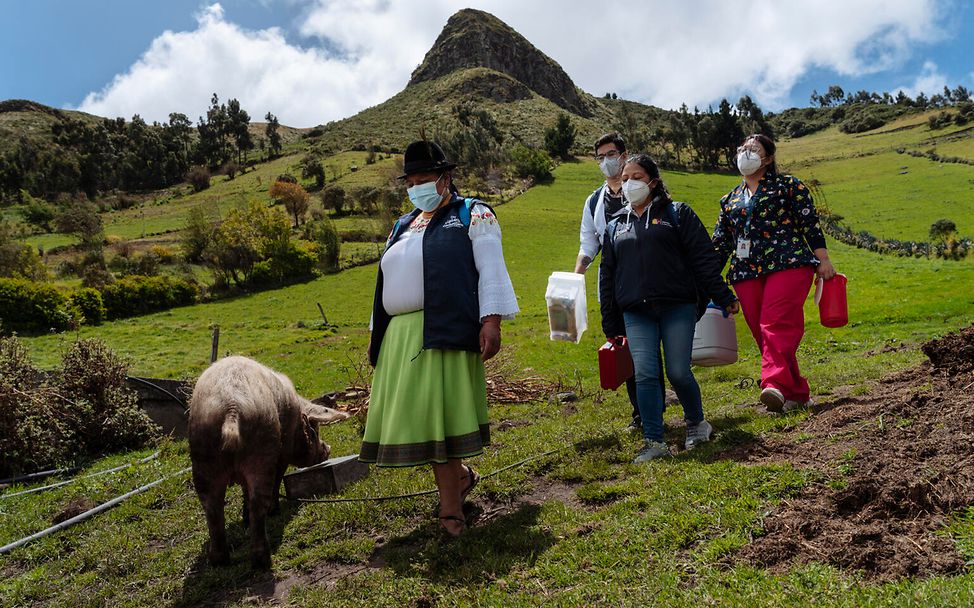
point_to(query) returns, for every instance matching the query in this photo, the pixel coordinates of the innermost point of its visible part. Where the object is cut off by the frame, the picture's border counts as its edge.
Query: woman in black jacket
(658, 265)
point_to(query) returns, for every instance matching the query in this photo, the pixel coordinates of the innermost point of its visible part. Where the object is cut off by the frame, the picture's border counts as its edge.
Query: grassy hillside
(21, 118)
(873, 181)
(428, 105)
(607, 533)
(166, 210)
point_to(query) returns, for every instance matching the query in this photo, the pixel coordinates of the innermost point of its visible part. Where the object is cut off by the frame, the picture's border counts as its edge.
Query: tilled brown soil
(895, 463)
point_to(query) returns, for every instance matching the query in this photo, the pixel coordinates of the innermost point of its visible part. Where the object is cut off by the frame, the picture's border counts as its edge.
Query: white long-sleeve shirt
(594, 220)
(402, 268)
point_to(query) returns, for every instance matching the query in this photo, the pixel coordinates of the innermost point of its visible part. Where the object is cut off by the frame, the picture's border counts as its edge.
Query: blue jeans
(673, 326)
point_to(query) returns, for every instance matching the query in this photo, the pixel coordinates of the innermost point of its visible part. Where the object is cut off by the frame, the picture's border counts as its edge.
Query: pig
(246, 425)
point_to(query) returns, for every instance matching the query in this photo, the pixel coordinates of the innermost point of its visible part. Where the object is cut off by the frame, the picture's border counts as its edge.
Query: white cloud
(360, 53)
(930, 81)
(301, 86)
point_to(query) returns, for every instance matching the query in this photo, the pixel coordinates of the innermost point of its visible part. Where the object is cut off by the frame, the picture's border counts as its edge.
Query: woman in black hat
(441, 292)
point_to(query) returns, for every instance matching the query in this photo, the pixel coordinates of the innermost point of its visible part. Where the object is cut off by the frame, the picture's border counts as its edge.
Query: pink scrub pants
(773, 307)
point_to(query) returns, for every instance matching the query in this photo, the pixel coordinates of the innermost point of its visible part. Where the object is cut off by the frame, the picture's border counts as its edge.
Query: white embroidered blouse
(402, 268)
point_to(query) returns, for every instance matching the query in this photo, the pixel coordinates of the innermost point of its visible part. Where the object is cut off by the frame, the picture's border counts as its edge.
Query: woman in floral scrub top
(770, 230)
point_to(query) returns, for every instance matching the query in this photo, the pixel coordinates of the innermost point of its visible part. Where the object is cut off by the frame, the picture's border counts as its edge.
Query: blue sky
(311, 61)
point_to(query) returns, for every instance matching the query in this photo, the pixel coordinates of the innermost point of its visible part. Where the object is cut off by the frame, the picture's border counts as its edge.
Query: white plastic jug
(714, 339)
(567, 311)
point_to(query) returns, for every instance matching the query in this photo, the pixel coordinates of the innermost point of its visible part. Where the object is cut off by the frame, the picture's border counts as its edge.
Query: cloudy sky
(312, 61)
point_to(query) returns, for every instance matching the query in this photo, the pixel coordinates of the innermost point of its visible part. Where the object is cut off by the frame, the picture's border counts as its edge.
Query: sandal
(446, 530)
(474, 480)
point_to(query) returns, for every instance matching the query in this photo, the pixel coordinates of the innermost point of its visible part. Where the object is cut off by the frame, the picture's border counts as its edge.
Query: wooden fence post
(216, 343)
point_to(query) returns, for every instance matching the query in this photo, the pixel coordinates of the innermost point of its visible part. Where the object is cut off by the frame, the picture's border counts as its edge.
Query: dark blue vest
(451, 309)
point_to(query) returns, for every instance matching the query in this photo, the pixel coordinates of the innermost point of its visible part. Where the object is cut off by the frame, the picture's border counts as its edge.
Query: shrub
(164, 254)
(248, 235)
(26, 306)
(109, 417)
(82, 221)
(33, 434)
(392, 200)
(530, 162)
(94, 270)
(87, 306)
(197, 234)
(124, 201)
(329, 244)
(311, 167)
(231, 168)
(84, 410)
(37, 212)
(333, 198)
(136, 295)
(367, 198)
(294, 198)
(199, 178)
(19, 260)
(294, 263)
(559, 139)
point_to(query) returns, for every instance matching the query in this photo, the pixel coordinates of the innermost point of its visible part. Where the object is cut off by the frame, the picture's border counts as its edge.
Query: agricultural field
(576, 524)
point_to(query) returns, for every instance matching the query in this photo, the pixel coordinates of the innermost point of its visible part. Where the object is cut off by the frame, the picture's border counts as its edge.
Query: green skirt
(427, 405)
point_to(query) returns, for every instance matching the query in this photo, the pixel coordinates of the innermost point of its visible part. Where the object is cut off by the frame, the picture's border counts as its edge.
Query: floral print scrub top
(783, 229)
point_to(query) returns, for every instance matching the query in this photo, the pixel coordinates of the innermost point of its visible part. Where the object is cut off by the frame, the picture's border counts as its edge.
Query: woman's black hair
(769, 147)
(652, 170)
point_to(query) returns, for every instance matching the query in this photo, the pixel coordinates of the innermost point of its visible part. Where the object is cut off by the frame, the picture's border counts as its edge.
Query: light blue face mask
(425, 197)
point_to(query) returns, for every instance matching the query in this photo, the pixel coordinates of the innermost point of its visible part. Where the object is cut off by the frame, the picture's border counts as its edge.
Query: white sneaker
(791, 406)
(651, 451)
(697, 434)
(772, 399)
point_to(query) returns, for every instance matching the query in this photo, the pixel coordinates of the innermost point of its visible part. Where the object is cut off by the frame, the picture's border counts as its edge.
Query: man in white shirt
(600, 207)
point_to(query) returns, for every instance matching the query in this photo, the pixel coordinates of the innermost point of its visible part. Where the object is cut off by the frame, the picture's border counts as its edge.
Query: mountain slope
(474, 38)
(479, 59)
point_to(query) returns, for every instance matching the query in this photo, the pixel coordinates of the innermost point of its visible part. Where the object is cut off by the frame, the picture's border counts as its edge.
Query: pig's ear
(319, 414)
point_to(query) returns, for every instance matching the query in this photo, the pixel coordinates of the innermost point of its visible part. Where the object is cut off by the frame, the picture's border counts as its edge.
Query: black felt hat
(422, 156)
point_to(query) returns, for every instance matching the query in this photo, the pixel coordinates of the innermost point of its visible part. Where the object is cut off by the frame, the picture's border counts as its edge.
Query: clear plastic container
(567, 310)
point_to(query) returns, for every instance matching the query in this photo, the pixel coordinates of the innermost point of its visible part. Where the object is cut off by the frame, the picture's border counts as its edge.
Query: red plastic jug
(615, 363)
(833, 310)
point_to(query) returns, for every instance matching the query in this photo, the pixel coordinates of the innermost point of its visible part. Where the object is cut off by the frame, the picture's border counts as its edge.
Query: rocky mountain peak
(473, 39)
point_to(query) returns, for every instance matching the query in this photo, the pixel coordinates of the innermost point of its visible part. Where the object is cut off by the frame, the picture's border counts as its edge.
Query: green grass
(897, 195)
(890, 194)
(631, 535)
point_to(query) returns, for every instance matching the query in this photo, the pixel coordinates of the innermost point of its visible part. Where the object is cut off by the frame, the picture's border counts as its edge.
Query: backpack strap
(593, 199)
(702, 299)
(465, 211)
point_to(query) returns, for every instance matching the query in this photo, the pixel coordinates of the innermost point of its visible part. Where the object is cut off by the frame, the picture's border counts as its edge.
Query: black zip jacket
(648, 261)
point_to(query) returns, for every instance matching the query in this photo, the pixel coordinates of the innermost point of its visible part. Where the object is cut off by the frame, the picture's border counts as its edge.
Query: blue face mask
(425, 197)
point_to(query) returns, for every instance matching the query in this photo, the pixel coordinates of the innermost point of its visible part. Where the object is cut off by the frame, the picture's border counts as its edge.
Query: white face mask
(748, 162)
(636, 191)
(611, 166)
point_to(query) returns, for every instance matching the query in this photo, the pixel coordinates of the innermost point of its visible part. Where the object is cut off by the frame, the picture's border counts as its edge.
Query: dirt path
(894, 464)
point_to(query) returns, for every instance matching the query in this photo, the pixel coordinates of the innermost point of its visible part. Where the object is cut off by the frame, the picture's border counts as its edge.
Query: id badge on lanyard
(743, 248)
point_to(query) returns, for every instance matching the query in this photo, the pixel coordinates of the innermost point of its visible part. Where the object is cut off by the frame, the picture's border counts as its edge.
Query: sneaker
(635, 425)
(697, 434)
(791, 406)
(651, 451)
(772, 399)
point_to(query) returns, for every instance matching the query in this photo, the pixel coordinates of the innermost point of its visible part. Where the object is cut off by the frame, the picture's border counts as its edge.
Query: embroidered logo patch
(453, 222)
